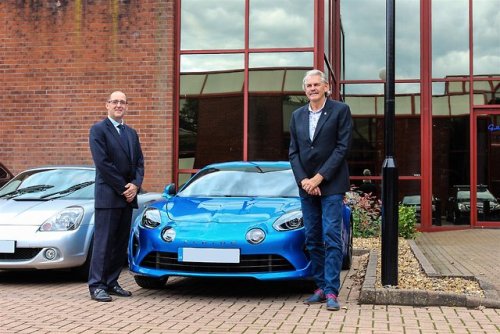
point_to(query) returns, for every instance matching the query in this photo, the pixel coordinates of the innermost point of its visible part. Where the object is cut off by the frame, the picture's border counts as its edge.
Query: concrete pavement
(51, 302)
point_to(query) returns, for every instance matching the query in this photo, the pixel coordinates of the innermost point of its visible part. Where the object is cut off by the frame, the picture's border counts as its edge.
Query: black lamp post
(389, 169)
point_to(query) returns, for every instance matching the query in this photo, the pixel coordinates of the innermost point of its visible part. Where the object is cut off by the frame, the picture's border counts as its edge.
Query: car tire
(347, 260)
(150, 282)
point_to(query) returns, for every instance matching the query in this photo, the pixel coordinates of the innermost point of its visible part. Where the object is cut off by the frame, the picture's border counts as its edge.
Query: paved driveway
(50, 302)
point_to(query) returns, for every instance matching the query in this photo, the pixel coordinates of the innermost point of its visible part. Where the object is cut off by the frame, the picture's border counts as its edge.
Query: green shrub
(407, 222)
(367, 219)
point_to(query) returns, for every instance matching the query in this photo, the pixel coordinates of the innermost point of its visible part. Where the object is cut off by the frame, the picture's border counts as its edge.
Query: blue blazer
(116, 165)
(326, 153)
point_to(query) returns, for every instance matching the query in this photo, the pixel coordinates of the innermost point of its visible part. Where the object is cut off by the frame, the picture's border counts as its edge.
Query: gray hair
(312, 73)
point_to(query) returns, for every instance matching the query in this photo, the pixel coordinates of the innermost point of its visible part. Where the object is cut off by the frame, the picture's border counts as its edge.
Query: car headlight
(289, 221)
(255, 236)
(463, 207)
(65, 220)
(151, 218)
(168, 234)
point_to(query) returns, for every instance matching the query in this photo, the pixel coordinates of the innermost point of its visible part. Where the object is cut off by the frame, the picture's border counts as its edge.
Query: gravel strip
(411, 276)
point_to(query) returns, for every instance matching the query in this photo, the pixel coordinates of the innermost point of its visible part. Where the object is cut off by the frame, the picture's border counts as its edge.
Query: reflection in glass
(281, 23)
(450, 51)
(487, 89)
(281, 59)
(486, 25)
(211, 62)
(368, 135)
(270, 108)
(212, 24)
(210, 110)
(450, 149)
(365, 43)
(487, 162)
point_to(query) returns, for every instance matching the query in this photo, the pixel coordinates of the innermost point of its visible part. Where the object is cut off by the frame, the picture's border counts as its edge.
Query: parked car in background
(458, 207)
(414, 201)
(47, 218)
(235, 219)
(5, 175)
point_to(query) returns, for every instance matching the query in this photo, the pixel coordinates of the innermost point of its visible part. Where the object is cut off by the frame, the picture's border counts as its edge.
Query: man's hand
(130, 192)
(311, 186)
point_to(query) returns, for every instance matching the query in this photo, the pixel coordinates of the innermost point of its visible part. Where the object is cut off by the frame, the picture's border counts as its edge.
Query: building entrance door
(486, 195)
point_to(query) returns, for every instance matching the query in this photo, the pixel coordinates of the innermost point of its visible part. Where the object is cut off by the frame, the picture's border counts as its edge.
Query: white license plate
(7, 246)
(209, 255)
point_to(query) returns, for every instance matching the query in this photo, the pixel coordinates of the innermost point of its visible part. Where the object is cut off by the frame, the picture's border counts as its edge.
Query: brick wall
(60, 60)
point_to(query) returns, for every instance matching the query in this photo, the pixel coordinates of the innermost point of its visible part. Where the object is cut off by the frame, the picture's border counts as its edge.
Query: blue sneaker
(317, 297)
(331, 302)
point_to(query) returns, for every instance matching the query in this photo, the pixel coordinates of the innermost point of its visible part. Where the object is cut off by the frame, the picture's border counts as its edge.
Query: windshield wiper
(27, 190)
(70, 189)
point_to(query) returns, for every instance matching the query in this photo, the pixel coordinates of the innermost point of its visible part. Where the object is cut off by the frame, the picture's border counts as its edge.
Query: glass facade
(242, 63)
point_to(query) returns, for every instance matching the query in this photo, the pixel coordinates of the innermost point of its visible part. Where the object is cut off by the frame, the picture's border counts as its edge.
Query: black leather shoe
(119, 291)
(100, 295)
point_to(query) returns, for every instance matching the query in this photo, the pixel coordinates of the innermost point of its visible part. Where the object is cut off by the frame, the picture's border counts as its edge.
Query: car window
(55, 180)
(242, 183)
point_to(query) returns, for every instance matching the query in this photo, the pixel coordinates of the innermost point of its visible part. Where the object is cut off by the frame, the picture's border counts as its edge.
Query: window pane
(211, 62)
(270, 107)
(282, 59)
(367, 150)
(210, 110)
(450, 150)
(486, 38)
(364, 24)
(212, 24)
(488, 175)
(450, 38)
(281, 23)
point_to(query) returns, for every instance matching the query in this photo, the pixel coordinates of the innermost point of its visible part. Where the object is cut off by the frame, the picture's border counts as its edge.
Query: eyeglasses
(115, 102)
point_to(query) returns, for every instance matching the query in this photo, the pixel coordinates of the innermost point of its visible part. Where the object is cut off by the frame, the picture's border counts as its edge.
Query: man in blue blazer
(119, 163)
(320, 138)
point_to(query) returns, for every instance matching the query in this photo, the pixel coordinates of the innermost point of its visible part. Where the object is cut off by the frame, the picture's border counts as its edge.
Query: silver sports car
(47, 218)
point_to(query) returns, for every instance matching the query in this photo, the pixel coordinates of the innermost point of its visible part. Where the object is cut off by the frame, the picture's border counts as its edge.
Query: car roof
(260, 164)
(90, 167)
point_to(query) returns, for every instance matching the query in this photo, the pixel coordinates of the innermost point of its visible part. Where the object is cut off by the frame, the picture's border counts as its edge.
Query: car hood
(229, 210)
(29, 213)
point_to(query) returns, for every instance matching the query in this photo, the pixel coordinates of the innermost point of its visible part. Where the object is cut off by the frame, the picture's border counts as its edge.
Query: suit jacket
(116, 165)
(326, 153)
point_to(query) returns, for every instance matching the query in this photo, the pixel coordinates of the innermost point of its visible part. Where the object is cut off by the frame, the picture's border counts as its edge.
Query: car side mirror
(169, 191)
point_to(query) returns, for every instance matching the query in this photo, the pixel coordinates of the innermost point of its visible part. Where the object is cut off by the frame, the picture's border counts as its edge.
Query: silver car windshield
(252, 182)
(40, 183)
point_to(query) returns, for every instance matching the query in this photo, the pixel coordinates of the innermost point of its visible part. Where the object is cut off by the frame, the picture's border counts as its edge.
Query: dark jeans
(322, 222)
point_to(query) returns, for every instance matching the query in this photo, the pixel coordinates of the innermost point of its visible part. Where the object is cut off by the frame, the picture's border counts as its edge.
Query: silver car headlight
(151, 218)
(463, 207)
(289, 221)
(65, 220)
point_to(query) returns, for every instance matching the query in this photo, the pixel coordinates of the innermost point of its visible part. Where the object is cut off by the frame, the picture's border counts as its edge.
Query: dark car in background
(458, 207)
(414, 201)
(5, 175)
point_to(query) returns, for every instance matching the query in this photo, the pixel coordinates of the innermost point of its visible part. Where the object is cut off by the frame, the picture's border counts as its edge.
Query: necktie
(123, 137)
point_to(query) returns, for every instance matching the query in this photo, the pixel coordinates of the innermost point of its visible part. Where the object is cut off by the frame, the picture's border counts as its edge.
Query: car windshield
(482, 195)
(246, 182)
(47, 183)
(411, 200)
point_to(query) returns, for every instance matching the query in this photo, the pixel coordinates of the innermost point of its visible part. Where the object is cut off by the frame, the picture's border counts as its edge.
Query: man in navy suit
(119, 163)
(320, 137)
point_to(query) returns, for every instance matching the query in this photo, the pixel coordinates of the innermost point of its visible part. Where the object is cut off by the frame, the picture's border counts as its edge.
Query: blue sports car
(234, 219)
